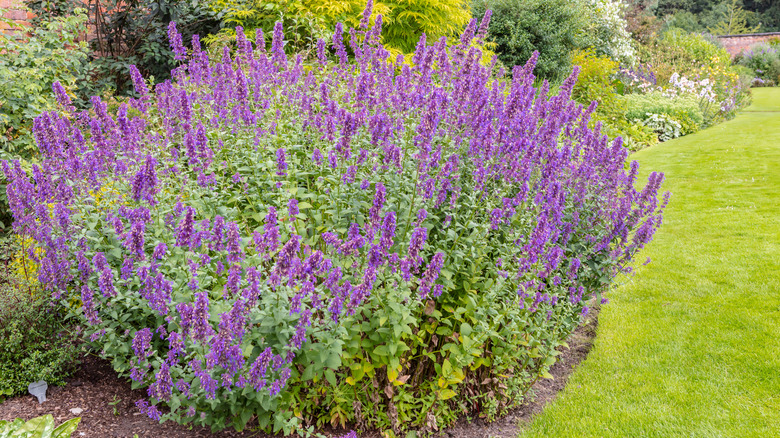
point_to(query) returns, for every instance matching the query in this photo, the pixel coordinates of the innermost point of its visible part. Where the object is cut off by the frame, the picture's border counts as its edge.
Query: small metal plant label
(38, 389)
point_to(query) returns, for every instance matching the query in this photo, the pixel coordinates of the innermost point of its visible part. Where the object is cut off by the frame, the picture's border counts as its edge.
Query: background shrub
(666, 127)
(128, 33)
(598, 82)
(764, 60)
(607, 32)
(677, 51)
(554, 28)
(266, 241)
(683, 109)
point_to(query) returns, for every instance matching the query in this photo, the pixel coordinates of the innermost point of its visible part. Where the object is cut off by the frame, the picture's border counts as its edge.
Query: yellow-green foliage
(595, 82)
(404, 21)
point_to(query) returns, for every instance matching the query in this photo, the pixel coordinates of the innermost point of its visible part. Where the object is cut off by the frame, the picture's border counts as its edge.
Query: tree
(734, 21)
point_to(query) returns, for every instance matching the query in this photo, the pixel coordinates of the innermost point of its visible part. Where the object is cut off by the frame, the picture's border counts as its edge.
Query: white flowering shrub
(608, 30)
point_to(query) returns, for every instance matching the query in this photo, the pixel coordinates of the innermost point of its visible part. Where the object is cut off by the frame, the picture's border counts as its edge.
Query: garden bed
(95, 386)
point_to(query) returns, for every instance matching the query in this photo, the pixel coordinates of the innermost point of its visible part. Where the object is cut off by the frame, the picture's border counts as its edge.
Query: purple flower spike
(292, 207)
(379, 202)
(281, 162)
(175, 41)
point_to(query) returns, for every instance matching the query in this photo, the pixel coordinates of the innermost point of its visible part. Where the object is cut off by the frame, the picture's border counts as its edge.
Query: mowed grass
(690, 345)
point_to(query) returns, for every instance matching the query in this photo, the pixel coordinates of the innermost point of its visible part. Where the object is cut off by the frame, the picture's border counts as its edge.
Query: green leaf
(66, 429)
(331, 377)
(381, 351)
(40, 427)
(446, 394)
(333, 361)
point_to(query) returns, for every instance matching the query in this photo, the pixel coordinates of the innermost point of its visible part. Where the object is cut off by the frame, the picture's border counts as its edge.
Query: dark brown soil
(93, 389)
(108, 410)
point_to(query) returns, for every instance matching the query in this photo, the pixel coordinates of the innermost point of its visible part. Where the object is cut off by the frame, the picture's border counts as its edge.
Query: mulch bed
(95, 386)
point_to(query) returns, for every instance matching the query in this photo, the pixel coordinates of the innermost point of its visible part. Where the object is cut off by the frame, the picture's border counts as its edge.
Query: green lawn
(690, 346)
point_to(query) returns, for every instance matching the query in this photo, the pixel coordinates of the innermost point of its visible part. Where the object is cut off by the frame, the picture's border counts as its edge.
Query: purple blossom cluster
(147, 209)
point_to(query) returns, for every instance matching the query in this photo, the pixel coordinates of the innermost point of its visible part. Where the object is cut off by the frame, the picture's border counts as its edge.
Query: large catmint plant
(273, 242)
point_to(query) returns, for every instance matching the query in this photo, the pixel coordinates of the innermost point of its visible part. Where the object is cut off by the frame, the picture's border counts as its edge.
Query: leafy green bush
(764, 60)
(746, 74)
(128, 33)
(35, 343)
(30, 62)
(272, 243)
(683, 109)
(554, 28)
(40, 427)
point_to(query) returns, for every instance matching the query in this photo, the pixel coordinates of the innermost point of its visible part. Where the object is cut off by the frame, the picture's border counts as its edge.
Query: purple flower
(431, 274)
(268, 241)
(277, 46)
(366, 14)
(159, 251)
(422, 214)
(106, 282)
(292, 207)
(174, 38)
(321, 55)
(379, 202)
(387, 231)
(135, 240)
(142, 343)
(233, 281)
(207, 383)
(338, 44)
(62, 96)
(84, 265)
(175, 347)
(186, 227)
(162, 387)
(88, 307)
(259, 368)
(144, 185)
(235, 253)
(281, 162)
(419, 236)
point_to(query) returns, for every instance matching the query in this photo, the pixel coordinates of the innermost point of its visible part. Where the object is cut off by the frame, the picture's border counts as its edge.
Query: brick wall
(736, 44)
(16, 11)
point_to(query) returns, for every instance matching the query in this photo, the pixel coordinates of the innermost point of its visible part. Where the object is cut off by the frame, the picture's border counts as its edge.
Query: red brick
(736, 44)
(16, 15)
(11, 4)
